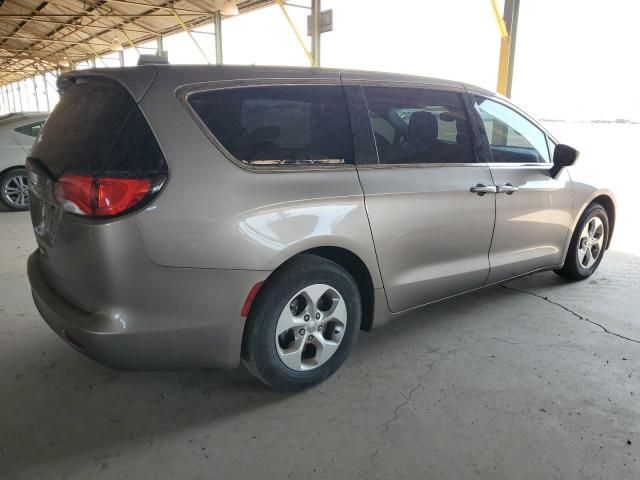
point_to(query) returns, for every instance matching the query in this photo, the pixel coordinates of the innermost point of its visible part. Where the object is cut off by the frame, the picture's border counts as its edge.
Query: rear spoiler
(136, 80)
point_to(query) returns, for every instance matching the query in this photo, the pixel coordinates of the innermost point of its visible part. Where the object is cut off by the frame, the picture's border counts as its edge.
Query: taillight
(75, 194)
(117, 195)
(91, 196)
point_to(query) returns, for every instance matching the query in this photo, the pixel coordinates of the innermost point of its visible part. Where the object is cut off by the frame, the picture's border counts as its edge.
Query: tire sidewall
(265, 313)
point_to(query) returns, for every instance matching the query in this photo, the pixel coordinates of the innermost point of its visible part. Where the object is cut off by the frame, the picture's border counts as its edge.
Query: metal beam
(160, 46)
(188, 32)
(19, 96)
(35, 92)
(169, 8)
(106, 15)
(46, 91)
(51, 40)
(512, 25)
(45, 20)
(295, 31)
(217, 21)
(316, 13)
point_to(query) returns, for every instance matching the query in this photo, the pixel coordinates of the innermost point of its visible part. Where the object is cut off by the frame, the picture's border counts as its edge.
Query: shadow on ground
(492, 371)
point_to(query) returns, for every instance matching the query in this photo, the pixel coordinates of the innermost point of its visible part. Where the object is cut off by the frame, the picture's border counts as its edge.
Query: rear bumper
(195, 323)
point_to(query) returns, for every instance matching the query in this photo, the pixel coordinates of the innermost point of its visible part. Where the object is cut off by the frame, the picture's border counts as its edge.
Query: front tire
(303, 324)
(588, 244)
(14, 191)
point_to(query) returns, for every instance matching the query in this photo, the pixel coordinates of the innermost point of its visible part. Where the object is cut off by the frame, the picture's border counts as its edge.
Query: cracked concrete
(407, 397)
(577, 315)
(507, 383)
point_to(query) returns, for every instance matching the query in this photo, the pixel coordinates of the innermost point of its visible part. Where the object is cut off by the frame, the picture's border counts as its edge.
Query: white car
(17, 133)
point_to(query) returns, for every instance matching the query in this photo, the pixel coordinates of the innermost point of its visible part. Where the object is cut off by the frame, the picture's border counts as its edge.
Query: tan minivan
(203, 215)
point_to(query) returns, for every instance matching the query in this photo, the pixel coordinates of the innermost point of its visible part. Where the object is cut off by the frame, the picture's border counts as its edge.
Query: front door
(533, 209)
(431, 233)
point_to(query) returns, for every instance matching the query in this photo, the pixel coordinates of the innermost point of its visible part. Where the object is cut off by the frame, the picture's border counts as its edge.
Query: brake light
(102, 196)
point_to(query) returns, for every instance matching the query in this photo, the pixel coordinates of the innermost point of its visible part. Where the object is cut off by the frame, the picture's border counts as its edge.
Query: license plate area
(45, 211)
(46, 219)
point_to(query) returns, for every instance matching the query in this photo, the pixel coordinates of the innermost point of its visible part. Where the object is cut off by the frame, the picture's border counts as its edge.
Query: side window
(279, 125)
(414, 125)
(512, 138)
(32, 129)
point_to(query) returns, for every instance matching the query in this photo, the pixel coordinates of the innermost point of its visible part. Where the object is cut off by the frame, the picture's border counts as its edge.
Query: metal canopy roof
(36, 35)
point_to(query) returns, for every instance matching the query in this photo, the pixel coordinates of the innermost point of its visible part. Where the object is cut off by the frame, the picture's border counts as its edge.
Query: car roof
(137, 79)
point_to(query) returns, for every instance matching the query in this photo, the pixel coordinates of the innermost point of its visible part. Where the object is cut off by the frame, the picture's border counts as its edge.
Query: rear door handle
(481, 189)
(507, 188)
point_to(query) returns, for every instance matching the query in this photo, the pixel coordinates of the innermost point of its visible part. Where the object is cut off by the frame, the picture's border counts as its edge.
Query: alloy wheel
(311, 327)
(16, 191)
(591, 242)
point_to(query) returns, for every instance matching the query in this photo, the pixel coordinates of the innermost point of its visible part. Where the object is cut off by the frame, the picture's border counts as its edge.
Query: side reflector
(246, 307)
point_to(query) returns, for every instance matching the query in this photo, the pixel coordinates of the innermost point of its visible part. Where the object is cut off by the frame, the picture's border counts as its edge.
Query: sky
(575, 59)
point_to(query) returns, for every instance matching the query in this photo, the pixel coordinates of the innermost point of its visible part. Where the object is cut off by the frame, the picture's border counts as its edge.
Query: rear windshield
(98, 128)
(293, 124)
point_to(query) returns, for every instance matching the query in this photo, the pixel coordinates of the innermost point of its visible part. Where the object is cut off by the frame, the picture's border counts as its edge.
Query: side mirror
(563, 156)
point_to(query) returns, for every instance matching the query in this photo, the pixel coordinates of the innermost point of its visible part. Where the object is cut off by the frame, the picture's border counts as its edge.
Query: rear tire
(303, 324)
(588, 244)
(13, 189)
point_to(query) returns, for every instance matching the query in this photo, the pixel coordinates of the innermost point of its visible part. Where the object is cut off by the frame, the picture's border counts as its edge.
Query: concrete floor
(502, 383)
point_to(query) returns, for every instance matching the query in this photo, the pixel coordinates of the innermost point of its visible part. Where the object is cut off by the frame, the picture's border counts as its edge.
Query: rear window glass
(97, 126)
(293, 124)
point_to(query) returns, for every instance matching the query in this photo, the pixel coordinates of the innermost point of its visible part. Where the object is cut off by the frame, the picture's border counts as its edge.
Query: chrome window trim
(536, 166)
(420, 165)
(183, 92)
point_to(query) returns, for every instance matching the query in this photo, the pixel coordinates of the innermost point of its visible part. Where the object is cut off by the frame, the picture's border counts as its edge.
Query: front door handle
(507, 188)
(481, 189)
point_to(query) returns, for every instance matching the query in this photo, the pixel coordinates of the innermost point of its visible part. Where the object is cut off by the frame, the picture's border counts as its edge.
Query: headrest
(423, 126)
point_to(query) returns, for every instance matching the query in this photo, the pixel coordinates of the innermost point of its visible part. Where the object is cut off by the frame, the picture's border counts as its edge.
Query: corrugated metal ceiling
(36, 35)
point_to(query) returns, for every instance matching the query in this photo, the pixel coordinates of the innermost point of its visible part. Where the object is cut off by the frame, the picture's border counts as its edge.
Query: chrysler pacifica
(204, 216)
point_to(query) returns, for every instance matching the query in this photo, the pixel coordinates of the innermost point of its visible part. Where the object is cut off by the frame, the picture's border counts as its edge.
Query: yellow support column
(505, 41)
(508, 26)
(503, 66)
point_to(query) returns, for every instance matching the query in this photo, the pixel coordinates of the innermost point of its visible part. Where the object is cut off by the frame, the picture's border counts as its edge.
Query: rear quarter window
(279, 125)
(97, 127)
(31, 130)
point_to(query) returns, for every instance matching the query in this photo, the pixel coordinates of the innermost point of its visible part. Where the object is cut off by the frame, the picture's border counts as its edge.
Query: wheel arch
(608, 204)
(356, 267)
(8, 169)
